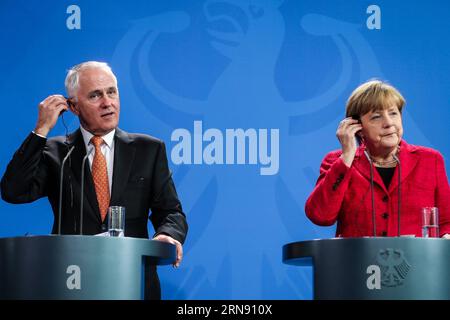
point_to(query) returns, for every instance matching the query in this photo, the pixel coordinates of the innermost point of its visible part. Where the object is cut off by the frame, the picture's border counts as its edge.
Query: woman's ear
(363, 139)
(359, 137)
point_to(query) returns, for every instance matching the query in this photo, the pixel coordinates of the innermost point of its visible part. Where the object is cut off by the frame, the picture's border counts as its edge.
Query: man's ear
(73, 106)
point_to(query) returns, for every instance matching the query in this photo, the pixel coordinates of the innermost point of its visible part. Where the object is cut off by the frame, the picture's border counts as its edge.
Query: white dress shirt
(107, 150)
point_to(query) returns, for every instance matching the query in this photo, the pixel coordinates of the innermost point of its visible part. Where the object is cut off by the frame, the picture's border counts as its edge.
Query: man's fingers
(48, 112)
(178, 245)
(55, 103)
(61, 107)
(53, 106)
(52, 112)
(164, 238)
(53, 98)
(179, 254)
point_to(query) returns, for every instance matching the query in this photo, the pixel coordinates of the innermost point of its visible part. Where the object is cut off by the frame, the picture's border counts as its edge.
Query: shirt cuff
(39, 135)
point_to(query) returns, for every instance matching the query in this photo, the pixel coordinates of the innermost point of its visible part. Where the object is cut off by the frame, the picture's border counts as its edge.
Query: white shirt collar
(108, 138)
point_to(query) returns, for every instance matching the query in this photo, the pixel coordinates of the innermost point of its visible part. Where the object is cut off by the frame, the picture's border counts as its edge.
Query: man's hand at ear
(49, 111)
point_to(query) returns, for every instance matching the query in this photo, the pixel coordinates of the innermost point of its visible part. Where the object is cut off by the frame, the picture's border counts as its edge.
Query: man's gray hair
(73, 76)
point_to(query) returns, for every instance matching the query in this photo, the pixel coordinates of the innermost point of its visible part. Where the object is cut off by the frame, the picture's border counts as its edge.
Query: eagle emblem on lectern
(394, 267)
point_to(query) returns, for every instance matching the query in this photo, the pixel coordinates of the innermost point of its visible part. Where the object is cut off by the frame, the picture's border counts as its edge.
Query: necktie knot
(97, 141)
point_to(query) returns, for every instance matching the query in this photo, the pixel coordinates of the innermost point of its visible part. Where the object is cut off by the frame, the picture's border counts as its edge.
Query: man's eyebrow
(100, 91)
(95, 91)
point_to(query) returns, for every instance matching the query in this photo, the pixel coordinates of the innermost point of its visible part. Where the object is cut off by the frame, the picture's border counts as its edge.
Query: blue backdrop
(201, 75)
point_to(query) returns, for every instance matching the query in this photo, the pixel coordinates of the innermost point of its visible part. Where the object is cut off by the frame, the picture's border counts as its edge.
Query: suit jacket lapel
(76, 139)
(123, 160)
(362, 164)
(408, 160)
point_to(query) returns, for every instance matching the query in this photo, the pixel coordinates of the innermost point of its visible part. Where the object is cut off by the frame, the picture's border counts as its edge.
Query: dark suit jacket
(141, 182)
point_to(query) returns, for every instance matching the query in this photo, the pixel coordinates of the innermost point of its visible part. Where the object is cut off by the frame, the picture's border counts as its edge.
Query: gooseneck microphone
(373, 196)
(61, 175)
(83, 165)
(399, 192)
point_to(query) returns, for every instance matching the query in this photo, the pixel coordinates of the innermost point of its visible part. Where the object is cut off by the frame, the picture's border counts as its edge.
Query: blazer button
(384, 233)
(335, 186)
(103, 227)
(385, 199)
(385, 215)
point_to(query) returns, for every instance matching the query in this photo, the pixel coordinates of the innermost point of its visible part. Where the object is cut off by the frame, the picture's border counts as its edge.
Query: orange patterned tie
(100, 176)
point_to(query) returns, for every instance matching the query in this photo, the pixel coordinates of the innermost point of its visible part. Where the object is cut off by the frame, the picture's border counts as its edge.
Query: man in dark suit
(128, 170)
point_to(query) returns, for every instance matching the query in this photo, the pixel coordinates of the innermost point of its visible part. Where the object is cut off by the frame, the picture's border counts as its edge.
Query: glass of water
(430, 222)
(116, 221)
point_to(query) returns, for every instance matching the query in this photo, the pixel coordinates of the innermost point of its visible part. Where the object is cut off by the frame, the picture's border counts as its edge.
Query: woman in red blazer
(343, 192)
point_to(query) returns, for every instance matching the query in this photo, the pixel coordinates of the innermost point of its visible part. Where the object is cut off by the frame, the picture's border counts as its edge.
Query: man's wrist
(41, 132)
(38, 134)
(161, 233)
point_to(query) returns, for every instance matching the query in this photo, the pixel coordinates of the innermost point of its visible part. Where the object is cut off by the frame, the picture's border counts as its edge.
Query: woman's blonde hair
(373, 95)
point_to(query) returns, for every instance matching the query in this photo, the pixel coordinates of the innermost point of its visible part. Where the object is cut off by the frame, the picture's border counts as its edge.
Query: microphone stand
(399, 191)
(372, 192)
(83, 165)
(61, 175)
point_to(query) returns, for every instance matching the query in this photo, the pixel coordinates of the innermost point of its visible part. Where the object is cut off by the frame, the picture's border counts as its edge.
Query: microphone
(83, 165)
(372, 192)
(61, 175)
(399, 191)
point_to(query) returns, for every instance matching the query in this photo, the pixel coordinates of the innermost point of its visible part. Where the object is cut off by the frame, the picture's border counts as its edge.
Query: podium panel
(78, 267)
(375, 268)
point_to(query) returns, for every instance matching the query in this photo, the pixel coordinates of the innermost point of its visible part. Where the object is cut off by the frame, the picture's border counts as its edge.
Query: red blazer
(343, 194)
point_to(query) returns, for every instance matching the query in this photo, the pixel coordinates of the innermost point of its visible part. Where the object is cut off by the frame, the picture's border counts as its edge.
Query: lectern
(78, 267)
(375, 268)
